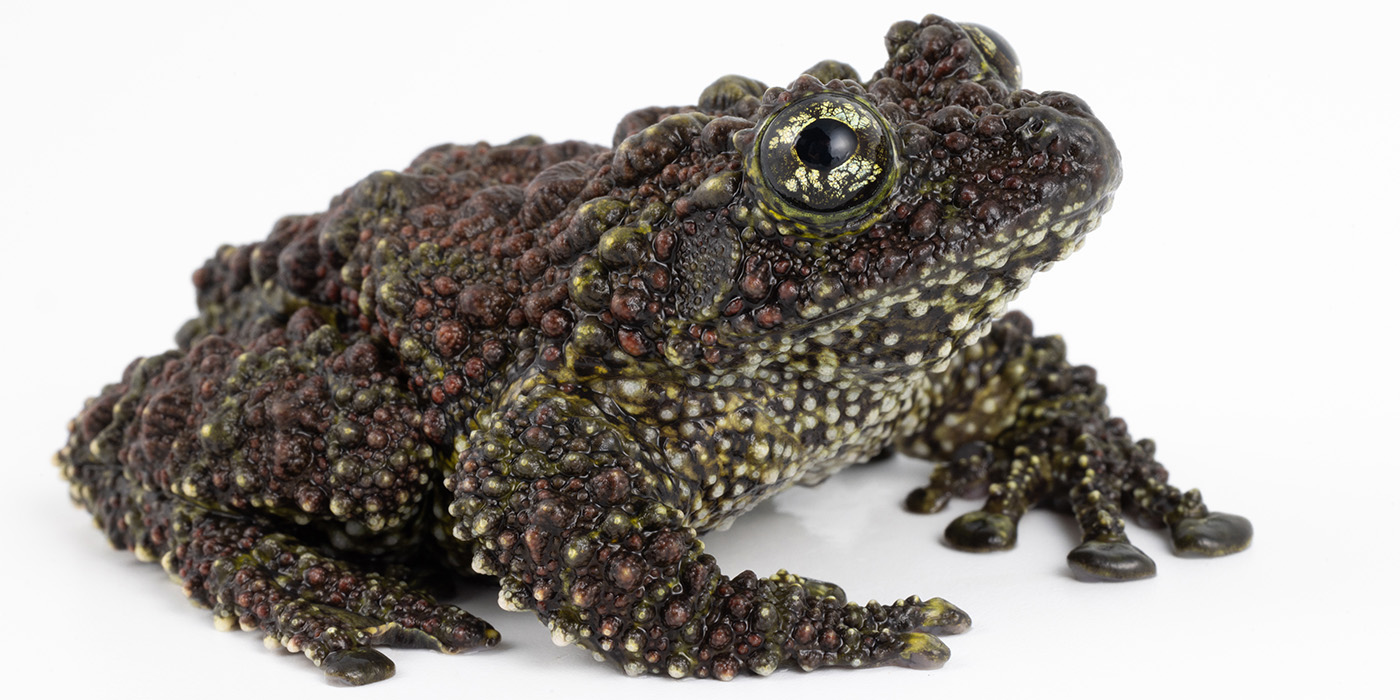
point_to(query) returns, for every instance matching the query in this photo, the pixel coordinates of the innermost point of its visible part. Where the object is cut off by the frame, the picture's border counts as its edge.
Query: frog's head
(891, 219)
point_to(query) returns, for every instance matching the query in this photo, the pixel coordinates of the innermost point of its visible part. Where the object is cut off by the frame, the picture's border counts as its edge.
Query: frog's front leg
(1012, 418)
(584, 526)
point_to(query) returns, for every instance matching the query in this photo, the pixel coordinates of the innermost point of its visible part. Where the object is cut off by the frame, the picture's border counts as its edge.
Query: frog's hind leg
(254, 578)
(151, 464)
(1012, 416)
(303, 600)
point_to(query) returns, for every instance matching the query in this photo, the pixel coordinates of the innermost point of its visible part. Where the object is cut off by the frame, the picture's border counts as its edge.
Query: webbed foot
(342, 642)
(304, 601)
(1020, 423)
(360, 665)
(920, 646)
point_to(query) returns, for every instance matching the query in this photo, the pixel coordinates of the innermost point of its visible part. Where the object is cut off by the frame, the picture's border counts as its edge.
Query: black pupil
(825, 143)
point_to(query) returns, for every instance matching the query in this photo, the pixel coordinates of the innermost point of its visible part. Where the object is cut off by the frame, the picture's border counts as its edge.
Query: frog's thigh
(566, 506)
(1012, 417)
(255, 578)
(208, 459)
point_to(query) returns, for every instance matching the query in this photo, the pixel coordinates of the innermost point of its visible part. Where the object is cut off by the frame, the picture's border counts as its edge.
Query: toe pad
(922, 651)
(357, 666)
(980, 531)
(942, 617)
(1110, 561)
(1214, 535)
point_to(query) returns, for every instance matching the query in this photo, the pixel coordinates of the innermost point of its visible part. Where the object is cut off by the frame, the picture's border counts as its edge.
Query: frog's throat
(937, 308)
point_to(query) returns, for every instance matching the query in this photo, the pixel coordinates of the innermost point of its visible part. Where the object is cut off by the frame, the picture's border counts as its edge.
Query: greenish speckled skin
(558, 364)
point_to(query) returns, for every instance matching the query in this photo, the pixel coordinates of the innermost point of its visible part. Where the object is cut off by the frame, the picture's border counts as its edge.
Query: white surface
(1239, 303)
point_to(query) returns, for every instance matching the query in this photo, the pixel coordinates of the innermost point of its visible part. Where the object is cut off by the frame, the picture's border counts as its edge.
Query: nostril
(1059, 130)
(1031, 128)
(1035, 128)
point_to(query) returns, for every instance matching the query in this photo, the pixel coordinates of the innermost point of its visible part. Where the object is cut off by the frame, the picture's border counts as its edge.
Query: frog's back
(448, 261)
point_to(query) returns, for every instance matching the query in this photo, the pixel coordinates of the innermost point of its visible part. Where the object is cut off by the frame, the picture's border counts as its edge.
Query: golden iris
(829, 158)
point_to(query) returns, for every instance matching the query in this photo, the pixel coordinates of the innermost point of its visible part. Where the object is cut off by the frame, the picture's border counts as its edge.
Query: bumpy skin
(558, 364)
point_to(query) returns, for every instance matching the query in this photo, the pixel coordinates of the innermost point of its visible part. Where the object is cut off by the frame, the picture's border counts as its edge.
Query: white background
(1239, 303)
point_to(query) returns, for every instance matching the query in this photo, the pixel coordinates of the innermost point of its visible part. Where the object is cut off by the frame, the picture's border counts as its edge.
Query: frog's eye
(998, 53)
(827, 157)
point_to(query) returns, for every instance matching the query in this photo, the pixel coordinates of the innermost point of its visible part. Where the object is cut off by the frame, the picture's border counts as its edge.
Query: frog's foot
(303, 601)
(342, 642)
(1032, 429)
(903, 634)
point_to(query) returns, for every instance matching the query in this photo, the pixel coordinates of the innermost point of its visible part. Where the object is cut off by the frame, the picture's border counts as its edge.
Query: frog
(559, 365)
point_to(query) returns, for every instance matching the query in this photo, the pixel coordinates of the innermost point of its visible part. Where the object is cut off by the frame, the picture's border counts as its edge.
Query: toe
(1098, 560)
(942, 617)
(980, 531)
(813, 587)
(921, 650)
(927, 499)
(824, 589)
(358, 666)
(1212, 536)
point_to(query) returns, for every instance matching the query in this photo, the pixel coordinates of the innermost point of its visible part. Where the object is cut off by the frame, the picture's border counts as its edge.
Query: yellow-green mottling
(560, 364)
